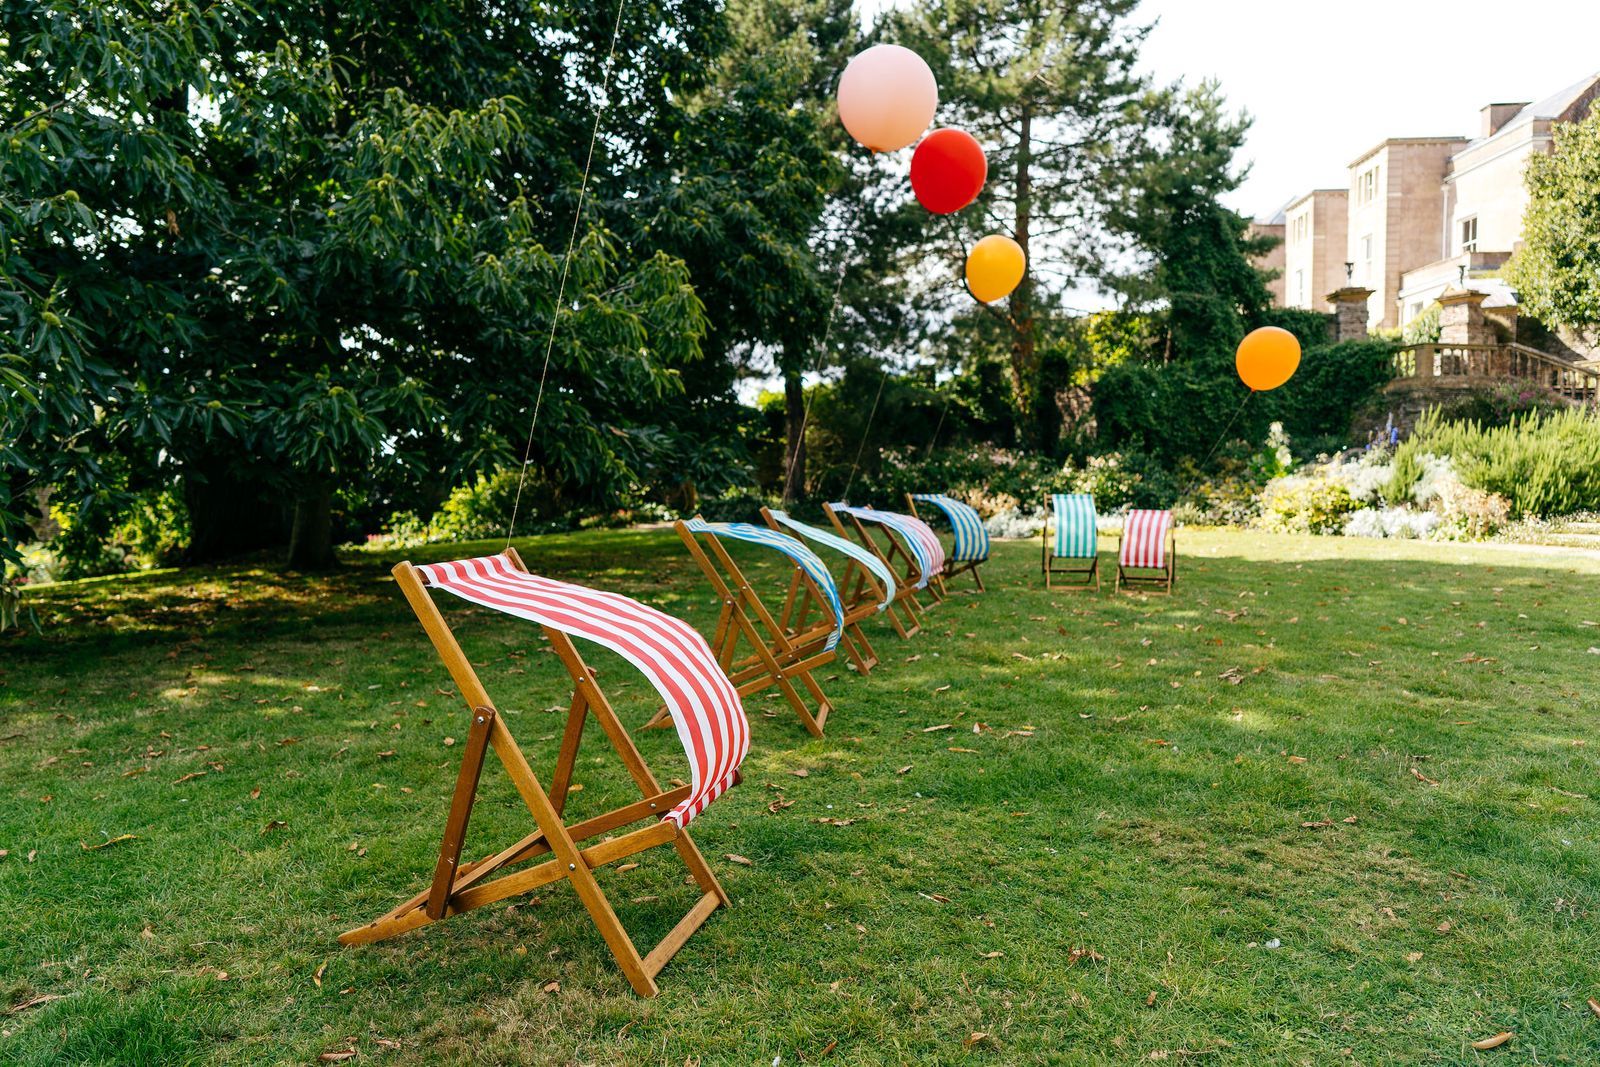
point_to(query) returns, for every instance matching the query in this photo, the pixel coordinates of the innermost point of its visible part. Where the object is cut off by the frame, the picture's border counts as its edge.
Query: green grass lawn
(1376, 756)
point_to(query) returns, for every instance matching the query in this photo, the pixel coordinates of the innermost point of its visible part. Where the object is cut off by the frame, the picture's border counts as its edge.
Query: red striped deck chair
(1149, 555)
(1077, 541)
(969, 546)
(777, 657)
(905, 557)
(704, 707)
(868, 588)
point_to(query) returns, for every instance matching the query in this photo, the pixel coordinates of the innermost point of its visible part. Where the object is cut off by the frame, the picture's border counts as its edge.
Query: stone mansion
(1419, 215)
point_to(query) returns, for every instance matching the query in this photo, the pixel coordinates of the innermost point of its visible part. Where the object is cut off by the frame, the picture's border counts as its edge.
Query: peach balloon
(994, 267)
(1267, 357)
(887, 97)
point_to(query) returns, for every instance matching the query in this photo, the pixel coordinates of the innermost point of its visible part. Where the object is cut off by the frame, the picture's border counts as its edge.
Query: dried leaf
(449, 741)
(104, 844)
(1419, 776)
(904, 769)
(991, 955)
(338, 1057)
(733, 857)
(255, 794)
(1297, 759)
(1496, 1041)
(933, 729)
(801, 772)
(552, 987)
(191, 776)
(975, 1037)
(316, 976)
(626, 867)
(136, 770)
(1594, 1006)
(1413, 957)
(275, 824)
(34, 1003)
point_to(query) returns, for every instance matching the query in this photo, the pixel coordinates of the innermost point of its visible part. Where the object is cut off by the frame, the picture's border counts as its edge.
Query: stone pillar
(1349, 312)
(1461, 318)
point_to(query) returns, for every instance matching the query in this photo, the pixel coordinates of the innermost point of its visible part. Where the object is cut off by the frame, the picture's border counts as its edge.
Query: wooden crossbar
(952, 568)
(773, 658)
(458, 887)
(905, 593)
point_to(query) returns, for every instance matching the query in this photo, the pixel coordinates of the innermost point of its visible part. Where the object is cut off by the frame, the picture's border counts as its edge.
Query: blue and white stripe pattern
(1075, 525)
(873, 565)
(971, 539)
(807, 560)
(906, 526)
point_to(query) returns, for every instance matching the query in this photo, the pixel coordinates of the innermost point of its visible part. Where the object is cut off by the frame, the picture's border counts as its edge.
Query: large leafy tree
(1557, 270)
(281, 248)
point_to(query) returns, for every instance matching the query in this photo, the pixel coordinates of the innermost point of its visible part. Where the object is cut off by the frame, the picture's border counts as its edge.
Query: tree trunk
(794, 437)
(1024, 354)
(311, 540)
(229, 516)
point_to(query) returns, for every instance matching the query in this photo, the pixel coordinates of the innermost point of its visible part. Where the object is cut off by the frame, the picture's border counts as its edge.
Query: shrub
(1311, 503)
(1544, 464)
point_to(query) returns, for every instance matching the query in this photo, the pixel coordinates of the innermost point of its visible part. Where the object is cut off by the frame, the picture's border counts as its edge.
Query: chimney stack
(1497, 115)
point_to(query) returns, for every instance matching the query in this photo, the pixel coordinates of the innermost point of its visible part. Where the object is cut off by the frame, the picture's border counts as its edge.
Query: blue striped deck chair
(1076, 540)
(909, 547)
(970, 546)
(869, 588)
(775, 657)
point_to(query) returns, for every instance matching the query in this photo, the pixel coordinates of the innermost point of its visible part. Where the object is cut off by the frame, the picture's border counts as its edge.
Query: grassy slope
(1128, 860)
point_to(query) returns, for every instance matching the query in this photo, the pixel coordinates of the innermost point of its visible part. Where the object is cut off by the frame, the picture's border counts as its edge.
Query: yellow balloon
(1267, 358)
(994, 267)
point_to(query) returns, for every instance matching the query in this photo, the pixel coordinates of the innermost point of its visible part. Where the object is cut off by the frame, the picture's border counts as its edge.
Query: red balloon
(948, 171)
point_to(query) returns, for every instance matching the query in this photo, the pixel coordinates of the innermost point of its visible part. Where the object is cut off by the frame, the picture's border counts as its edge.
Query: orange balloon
(1267, 358)
(994, 267)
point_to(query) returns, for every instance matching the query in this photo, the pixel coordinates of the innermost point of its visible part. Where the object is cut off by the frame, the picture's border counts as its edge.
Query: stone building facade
(1425, 214)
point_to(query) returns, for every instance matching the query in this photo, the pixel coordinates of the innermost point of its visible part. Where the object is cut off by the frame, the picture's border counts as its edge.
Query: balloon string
(566, 265)
(1218, 444)
(867, 430)
(798, 443)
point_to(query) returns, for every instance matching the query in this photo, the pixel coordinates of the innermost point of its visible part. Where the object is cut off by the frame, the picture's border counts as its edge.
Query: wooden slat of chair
(774, 659)
(905, 594)
(456, 888)
(952, 568)
(1158, 582)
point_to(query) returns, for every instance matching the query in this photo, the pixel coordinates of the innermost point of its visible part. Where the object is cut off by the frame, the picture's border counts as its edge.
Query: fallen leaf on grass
(338, 1056)
(191, 776)
(801, 772)
(275, 824)
(34, 1003)
(105, 844)
(933, 729)
(1150, 1001)
(1594, 1006)
(904, 769)
(1413, 957)
(732, 857)
(939, 897)
(255, 794)
(289, 741)
(1316, 825)
(316, 976)
(1419, 776)
(955, 749)
(991, 955)
(941, 689)
(1297, 759)
(975, 1037)
(552, 987)
(136, 770)
(626, 867)
(1160, 742)
(1075, 954)
(1496, 1041)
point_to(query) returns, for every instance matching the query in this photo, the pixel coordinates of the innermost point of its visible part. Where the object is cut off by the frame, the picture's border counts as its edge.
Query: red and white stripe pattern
(671, 654)
(1144, 539)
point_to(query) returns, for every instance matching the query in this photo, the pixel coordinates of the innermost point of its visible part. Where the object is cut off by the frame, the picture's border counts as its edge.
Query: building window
(1366, 256)
(1300, 288)
(1367, 186)
(1469, 234)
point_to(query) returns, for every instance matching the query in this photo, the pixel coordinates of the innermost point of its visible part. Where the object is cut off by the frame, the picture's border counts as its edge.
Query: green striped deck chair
(1076, 541)
(872, 592)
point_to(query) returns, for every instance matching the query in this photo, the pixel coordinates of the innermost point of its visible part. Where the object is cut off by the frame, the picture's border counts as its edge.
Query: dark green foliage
(1313, 329)
(1556, 270)
(1503, 403)
(1334, 383)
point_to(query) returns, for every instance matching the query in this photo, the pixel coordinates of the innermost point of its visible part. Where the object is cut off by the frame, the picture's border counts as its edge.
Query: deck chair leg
(561, 780)
(455, 831)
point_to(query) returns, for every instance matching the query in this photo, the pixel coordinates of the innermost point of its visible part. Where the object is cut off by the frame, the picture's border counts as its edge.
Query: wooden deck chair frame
(864, 603)
(951, 568)
(1150, 580)
(905, 593)
(1078, 578)
(778, 658)
(458, 887)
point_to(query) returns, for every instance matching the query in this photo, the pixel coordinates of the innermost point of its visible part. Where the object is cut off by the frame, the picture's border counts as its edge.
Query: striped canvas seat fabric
(971, 539)
(1075, 525)
(1144, 539)
(850, 549)
(704, 706)
(918, 536)
(807, 560)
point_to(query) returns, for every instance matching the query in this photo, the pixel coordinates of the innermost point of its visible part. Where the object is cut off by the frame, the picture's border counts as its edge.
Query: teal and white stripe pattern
(803, 557)
(971, 539)
(1075, 525)
(832, 540)
(917, 535)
